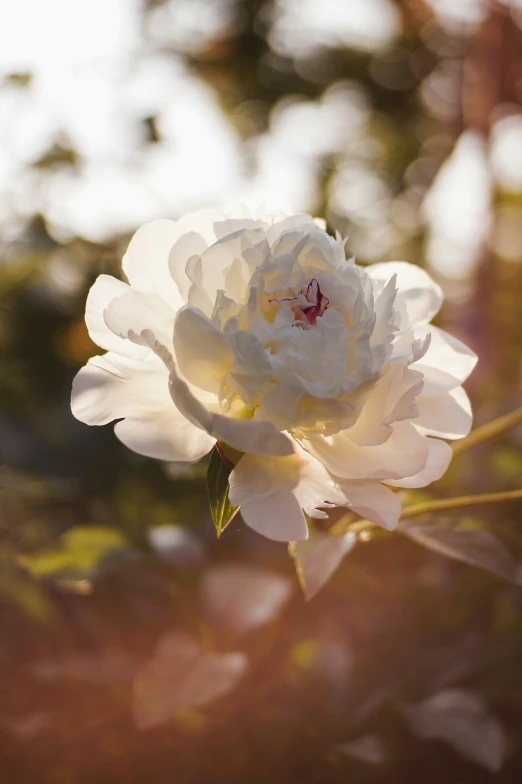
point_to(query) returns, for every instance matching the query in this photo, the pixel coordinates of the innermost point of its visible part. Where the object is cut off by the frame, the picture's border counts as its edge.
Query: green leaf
(78, 552)
(217, 482)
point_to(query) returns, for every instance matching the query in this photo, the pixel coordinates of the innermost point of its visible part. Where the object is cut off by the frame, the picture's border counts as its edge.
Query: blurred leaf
(177, 545)
(17, 588)
(217, 482)
(367, 748)
(244, 598)
(28, 726)
(93, 537)
(317, 558)
(461, 719)
(79, 551)
(475, 547)
(96, 667)
(507, 462)
(181, 676)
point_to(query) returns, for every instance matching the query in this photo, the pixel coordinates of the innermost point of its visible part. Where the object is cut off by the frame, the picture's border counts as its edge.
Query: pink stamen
(309, 304)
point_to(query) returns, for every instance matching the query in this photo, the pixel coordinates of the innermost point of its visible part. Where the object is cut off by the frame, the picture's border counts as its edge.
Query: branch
(425, 507)
(489, 430)
(442, 504)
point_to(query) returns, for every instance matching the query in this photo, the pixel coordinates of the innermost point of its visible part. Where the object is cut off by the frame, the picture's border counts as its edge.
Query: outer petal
(99, 391)
(166, 435)
(445, 416)
(373, 501)
(104, 289)
(111, 387)
(216, 259)
(129, 315)
(403, 454)
(419, 293)
(203, 352)
(316, 486)
(264, 489)
(245, 435)
(273, 492)
(202, 222)
(146, 263)
(447, 363)
(439, 457)
(392, 399)
(189, 246)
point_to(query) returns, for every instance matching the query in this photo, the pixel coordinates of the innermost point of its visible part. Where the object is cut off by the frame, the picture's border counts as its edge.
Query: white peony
(260, 334)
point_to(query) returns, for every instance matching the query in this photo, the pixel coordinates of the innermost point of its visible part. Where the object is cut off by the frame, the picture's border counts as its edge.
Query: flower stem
(442, 504)
(435, 505)
(489, 430)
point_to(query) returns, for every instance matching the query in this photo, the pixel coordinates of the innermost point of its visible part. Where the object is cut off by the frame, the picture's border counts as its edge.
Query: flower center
(308, 305)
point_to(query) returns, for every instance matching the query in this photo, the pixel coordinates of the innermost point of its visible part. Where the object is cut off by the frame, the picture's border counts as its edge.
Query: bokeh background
(133, 646)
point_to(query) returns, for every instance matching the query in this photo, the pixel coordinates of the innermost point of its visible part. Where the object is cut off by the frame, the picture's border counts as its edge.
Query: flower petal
(420, 294)
(439, 457)
(273, 492)
(245, 435)
(264, 489)
(111, 387)
(202, 222)
(99, 389)
(391, 399)
(146, 262)
(132, 313)
(203, 352)
(373, 501)
(165, 435)
(445, 416)
(447, 363)
(104, 289)
(188, 246)
(403, 454)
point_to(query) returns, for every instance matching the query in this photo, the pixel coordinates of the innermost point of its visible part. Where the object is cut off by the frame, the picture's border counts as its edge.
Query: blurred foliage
(108, 560)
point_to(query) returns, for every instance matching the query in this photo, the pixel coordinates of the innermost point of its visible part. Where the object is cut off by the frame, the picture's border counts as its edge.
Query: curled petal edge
(261, 438)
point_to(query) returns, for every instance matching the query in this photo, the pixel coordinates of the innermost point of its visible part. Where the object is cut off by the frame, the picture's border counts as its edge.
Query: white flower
(260, 333)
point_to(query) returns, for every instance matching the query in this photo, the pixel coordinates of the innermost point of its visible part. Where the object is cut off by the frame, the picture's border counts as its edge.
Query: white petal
(245, 435)
(447, 363)
(99, 391)
(136, 311)
(202, 222)
(373, 501)
(420, 294)
(112, 387)
(403, 454)
(146, 263)
(216, 259)
(165, 435)
(445, 416)
(203, 352)
(223, 228)
(392, 399)
(104, 289)
(439, 457)
(264, 489)
(273, 492)
(188, 246)
(316, 486)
